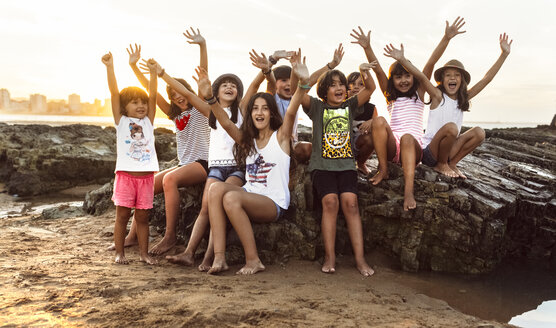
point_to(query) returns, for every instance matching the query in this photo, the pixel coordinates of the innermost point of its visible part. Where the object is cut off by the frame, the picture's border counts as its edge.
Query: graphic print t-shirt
(135, 145)
(332, 135)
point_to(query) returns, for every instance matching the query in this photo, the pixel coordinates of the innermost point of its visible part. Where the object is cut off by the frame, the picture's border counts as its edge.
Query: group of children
(240, 144)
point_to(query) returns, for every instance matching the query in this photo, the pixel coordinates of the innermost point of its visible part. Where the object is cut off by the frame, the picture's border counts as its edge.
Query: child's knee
(479, 134)
(450, 129)
(330, 203)
(378, 122)
(169, 181)
(231, 201)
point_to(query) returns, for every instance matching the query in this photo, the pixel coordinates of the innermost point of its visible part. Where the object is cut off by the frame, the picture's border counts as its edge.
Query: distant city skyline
(54, 47)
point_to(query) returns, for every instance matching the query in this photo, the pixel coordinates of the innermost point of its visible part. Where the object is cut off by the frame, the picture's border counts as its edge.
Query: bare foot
(445, 170)
(409, 202)
(362, 168)
(329, 265)
(147, 259)
(364, 268)
(218, 266)
(120, 259)
(458, 172)
(127, 243)
(182, 258)
(163, 246)
(379, 176)
(252, 267)
(206, 264)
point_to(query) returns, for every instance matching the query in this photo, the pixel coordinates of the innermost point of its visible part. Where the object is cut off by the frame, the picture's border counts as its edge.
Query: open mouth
(452, 85)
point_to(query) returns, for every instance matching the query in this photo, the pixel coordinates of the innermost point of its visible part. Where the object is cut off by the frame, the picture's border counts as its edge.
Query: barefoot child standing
(136, 161)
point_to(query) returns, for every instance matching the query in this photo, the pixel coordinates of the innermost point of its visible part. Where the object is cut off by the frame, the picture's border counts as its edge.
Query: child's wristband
(211, 100)
(267, 72)
(328, 65)
(304, 86)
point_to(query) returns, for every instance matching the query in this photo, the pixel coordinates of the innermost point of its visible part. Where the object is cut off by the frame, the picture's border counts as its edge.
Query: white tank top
(221, 144)
(268, 172)
(448, 111)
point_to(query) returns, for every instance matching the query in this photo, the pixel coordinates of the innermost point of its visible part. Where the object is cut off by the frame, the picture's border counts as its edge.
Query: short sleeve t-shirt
(332, 134)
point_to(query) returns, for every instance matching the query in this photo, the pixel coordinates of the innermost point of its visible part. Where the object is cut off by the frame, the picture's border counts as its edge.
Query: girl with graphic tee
(136, 161)
(332, 164)
(263, 145)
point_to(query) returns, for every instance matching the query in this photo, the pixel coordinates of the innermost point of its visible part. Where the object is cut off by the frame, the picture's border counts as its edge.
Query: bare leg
(440, 147)
(187, 175)
(330, 206)
(385, 147)
(142, 220)
(242, 208)
(350, 208)
(209, 256)
(302, 151)
(465, 144)
(410, 152)
(131, 238)
(217, 218)
(122, 217)
(365, 145)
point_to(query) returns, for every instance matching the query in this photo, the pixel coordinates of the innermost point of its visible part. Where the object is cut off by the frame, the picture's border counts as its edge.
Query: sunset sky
(54, 47)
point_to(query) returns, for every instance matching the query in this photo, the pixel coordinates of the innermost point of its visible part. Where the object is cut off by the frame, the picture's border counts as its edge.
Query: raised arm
(113, 87)
(365, 42)
(364, 95)
(205, 90)
(261, 62)
(192, 98)
(398, 54)
(505, 46)
(197, 38)
(336, 59)
(134, 56)
(285, 131)
(153, 84)
(449, 32)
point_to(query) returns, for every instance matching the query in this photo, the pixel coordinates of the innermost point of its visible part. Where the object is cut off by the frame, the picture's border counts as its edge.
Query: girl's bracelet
(211, 100)
(328, 65)
(304, 86)
(267, 72)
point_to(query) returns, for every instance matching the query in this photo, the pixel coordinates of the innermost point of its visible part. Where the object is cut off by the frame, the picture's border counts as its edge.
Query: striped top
(192, 136)
(406, 117)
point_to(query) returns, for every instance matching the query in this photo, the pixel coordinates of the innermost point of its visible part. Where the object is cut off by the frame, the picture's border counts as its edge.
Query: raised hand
(107, 59)
(146, 66)
(391, 51)
(368, 66)
(454, 29)
(195, 37)
(260, 61)
(153, 66)
(360, 37)
(300, 69)
(504, 44)
(338, 55)
(134, 54)
(205, 88)
(295, 57)
(279, 54)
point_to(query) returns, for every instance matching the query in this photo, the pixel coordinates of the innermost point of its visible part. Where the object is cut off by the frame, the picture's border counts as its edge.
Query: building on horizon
(4, 99)
(74, 103)
(38, 103)
(57, 107)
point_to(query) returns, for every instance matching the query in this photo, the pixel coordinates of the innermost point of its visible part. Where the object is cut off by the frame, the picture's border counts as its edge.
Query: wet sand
(57, 272)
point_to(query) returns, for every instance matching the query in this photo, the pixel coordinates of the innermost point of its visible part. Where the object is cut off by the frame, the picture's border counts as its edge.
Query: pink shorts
(133, 191)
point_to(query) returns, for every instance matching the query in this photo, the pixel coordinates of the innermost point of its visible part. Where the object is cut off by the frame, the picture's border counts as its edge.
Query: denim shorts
(221, 173)
(279, 210)
(428, 159)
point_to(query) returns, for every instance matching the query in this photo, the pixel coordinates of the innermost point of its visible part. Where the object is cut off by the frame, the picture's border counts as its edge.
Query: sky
(54, 47)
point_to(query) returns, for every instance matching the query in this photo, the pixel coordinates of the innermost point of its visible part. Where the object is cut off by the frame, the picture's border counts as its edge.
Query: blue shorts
(428, 159)
(279, 211)
(221, 173)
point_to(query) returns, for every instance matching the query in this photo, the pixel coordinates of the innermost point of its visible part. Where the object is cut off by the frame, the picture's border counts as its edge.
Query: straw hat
(452, 64)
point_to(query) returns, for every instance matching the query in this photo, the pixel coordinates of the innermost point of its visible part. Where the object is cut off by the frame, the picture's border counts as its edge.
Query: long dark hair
(391, 92)
(462, 96)
(249, 132)
(234, 107)
(175, 111)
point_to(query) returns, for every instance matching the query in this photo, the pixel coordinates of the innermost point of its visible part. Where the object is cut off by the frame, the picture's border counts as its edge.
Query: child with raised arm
(192, 140)
(444, 146)
(263, 145)
(332, 163)
(136, 161)
(401, 140)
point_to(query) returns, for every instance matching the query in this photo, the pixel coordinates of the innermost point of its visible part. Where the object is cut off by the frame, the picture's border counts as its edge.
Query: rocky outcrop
(40, 159)
(505, 209)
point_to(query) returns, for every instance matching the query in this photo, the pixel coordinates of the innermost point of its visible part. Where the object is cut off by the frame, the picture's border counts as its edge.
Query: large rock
(505, 209)
(39, 159)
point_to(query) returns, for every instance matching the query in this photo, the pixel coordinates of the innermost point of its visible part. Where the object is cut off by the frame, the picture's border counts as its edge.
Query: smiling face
(179, 100)
(403, 82)
(336, 92)
(227, 93)
(355, 87)
(136, 108)
(451, 80)
(283, 88)
(260, 114)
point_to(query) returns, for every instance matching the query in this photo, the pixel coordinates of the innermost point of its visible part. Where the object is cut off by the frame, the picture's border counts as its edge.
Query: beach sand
(58, 272)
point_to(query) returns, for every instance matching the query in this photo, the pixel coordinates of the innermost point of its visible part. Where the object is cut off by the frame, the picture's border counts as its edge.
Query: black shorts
(334, 182)
(203, 163)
